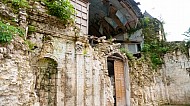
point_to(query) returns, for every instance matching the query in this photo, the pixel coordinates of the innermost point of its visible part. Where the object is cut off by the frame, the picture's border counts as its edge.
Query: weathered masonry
(59, 65)
(61, 69)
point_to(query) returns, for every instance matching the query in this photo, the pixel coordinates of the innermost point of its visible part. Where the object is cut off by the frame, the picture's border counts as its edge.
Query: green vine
(133, 30)
(154, 48)
(30, 45)
(7, 32)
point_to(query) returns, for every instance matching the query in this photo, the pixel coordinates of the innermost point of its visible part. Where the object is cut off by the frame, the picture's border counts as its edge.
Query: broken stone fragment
(1, 56)
(3, 50)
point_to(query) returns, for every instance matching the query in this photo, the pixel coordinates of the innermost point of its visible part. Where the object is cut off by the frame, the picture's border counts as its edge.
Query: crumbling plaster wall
(82, 74)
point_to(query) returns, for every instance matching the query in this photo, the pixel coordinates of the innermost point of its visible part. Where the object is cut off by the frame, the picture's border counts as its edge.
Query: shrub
(62, 9)
(20, 3)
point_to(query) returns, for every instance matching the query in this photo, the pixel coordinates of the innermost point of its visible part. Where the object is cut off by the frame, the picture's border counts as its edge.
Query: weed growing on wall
(127, 53)
(31, 29)
(19, 3)
(16, 4)
(62, 9)
(155, 51)
(30, 44)
(154, 48)
(7, 32)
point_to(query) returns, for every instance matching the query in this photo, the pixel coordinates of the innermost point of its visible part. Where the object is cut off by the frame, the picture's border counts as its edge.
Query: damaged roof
(135, 7)
(111, 17)
(146, 14)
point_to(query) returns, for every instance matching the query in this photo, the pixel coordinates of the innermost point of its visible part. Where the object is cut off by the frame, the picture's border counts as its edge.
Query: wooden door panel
(119, 83)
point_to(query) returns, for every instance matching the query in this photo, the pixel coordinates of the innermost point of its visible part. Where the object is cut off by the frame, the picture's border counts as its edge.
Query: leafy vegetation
(133, 30)
(155, 51)
(7, 32)
(153, 30)
(155, 46)
(62, 9)
(19, 3)
(16, 4)
(127, 53)
(187, 33)
(84, 52)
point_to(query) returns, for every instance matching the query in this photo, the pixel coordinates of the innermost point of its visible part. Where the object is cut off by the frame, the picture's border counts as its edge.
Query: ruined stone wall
(142, 83)
(57, 58)
(82, 77)
(168, 85)
(177, 79)
(16, 76)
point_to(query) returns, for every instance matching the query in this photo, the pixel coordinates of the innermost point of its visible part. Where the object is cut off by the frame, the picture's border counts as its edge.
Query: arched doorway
(45, 86)
(117, 76)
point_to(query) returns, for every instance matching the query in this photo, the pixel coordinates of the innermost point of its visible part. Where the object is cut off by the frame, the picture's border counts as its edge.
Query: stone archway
(46, 81)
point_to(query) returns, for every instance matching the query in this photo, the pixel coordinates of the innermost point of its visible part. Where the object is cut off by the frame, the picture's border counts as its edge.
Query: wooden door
(119, 83)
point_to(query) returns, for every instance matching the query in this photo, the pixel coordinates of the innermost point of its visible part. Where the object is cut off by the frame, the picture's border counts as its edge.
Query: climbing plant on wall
(155, 51)
(154, 48)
